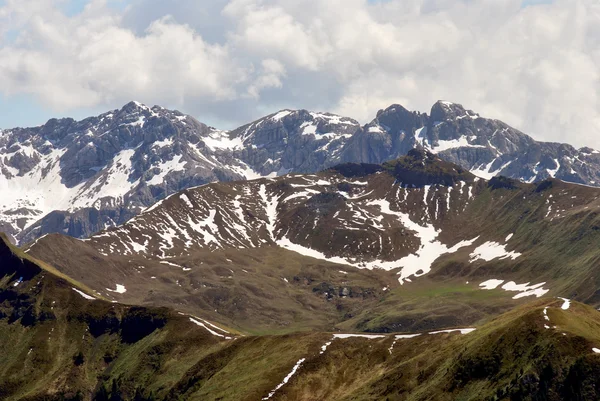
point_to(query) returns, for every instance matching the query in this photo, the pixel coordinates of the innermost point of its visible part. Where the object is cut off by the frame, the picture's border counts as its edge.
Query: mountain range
(413, 279)
(80, 177)
(352, 242)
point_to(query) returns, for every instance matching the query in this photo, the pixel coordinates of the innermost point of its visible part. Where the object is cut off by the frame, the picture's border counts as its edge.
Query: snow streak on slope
(270, 210)
(360, 231)
(83, 294)
(214, 333)
(492, 250)
(285, 379)
(415, 265)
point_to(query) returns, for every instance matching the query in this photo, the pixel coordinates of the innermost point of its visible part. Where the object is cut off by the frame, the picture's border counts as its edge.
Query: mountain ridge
(409, 280)
(68, 346)
(357, 240)
(79, 177)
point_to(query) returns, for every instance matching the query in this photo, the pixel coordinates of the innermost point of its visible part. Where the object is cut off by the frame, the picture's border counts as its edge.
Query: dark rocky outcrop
(420, 168)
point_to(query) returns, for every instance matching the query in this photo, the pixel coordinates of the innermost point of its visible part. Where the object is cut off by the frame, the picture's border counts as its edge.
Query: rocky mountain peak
(134, 105)
(394, 108)
(443, 110)
(421, 167)
(397, 120)
(78, 177)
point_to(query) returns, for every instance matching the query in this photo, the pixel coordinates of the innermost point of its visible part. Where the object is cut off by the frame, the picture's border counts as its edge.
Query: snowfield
(524, 290)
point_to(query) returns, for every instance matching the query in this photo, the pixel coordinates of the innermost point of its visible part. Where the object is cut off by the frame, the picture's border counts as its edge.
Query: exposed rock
(79, 177)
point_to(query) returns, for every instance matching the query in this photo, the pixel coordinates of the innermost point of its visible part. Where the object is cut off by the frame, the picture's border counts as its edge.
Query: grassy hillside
(58, 345)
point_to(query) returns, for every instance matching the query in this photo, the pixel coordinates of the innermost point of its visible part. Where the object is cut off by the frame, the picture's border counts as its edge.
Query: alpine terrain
(412, 279)
(80, 177)
(280, 237)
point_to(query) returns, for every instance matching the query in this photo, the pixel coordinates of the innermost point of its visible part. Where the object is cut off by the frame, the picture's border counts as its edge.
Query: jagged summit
(443, 110)
(78, 177)
(298, 122)
(420, 167)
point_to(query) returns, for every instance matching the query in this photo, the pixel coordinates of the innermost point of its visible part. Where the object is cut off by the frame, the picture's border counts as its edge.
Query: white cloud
(535, 67)
(272, 73)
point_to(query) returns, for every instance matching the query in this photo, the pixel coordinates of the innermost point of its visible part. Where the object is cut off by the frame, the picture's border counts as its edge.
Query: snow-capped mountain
(80, 177)
(238, 247)
(484, 146)
(381, 222)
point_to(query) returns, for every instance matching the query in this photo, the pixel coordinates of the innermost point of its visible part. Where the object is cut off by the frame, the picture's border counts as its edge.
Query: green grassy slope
(58, 345)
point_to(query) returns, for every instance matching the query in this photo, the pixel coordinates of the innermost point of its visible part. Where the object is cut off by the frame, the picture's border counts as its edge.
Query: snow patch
(430, 250)
(120, 289)
(462, 331)
(416, 265)
(324, 347)
(83, 294)
(461, 142)
(524, 290)
(399, 337)
(490, 284)
(165, 168)
(280, 115)
(566, 304)
(270, 209)
(164, 262)
(214, 333)
(221, 140)
(552, 173)
(186, 200)
(286, 379)
(486, 172)
(491, 250)
(369, 336)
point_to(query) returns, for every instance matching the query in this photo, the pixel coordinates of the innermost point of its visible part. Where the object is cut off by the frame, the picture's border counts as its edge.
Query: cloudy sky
(534, 63)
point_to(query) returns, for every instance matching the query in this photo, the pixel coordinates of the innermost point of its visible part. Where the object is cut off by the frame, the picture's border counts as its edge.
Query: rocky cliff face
(294, 141)
(490, 147)
(79, 177)
(484, 146)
